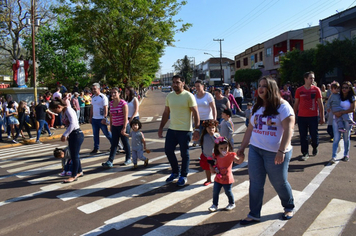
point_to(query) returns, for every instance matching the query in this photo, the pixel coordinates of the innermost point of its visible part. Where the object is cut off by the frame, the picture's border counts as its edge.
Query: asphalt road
(121, 201)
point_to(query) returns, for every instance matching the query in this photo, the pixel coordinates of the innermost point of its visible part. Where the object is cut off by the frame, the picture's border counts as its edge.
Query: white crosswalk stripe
(331, 221)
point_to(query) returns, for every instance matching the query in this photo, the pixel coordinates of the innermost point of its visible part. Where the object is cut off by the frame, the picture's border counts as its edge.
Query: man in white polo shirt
(98, 115)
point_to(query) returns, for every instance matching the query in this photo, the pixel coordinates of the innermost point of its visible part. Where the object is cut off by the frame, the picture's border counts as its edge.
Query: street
(122, 201)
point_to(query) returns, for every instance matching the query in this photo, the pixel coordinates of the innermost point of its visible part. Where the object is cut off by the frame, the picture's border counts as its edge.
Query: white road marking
(333, 219)
(110, 183)
(271, 213)
(197, 215)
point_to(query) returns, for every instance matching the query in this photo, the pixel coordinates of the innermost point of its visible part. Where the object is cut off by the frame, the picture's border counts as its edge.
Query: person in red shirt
(308, 104)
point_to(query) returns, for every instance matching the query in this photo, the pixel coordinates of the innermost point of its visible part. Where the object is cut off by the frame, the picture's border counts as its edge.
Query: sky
(241, 24)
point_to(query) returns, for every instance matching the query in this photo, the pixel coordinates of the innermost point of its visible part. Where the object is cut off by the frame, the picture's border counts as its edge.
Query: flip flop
(69, 181)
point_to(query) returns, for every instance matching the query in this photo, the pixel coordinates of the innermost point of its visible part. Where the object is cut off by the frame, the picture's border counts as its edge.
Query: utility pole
(221, 71)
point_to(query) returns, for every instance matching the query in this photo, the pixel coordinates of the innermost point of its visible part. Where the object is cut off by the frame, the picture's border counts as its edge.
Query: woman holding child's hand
(269, 135)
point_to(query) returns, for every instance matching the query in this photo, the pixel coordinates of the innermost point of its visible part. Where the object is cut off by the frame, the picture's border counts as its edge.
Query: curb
(42, 139)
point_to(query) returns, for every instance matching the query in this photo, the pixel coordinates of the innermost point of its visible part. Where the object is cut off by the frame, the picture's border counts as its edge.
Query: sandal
(70, 180)
(207, 183)
(81, 174)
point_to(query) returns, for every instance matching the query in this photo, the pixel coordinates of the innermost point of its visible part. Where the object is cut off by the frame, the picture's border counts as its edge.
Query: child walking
(64, 155)
(334, 104)
(227, 126)
(223, 169)
(138, 144)
(248, 113)
(207, 143)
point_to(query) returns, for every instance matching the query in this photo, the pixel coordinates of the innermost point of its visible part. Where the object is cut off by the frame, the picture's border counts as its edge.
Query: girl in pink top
(231, 99)
(118, 123)
(223, 169)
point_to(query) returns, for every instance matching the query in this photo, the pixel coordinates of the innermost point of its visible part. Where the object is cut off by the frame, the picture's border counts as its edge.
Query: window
(268, 52)
(245, 61)
(238, 64)
(261, 56)
(256, 58)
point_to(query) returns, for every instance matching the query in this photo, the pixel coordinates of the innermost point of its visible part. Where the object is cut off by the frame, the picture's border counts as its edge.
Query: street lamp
(209, 54)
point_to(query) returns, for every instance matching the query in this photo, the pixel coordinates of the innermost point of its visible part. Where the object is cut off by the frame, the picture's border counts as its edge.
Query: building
(210, 71)
(339, 26)
(251, 58)
(166, 79)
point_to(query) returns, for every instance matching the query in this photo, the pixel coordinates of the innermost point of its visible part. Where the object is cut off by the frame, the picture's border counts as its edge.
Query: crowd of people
(270, 118)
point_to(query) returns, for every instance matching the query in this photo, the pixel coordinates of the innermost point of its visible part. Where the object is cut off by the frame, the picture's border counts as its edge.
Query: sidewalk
(86, 128)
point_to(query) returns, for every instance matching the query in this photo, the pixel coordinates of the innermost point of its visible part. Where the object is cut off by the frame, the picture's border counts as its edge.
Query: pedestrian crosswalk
(93, 195)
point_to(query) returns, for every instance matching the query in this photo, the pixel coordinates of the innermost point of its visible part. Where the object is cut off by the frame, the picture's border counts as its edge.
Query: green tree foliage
(125, 37)
(247, 75)
(185, 68)
(295, 63)
(60, 55)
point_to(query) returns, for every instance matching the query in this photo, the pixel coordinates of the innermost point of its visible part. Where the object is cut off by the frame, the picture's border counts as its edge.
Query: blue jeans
(337, 137)
(173, 138)
(81, 117)
(97, 125)
(75, 140)
(305, 124)
(228, 192)
(41, 124)
(116, 135)
(260, 164)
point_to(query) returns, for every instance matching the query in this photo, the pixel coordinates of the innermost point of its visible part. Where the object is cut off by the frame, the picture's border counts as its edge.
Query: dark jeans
(87, 113)
(228, 192)
(81, 117)
(116, 135)
(173, 138)
(75, 140)
(306, 124)
(239, 101)
(42, 123)
(58, 120)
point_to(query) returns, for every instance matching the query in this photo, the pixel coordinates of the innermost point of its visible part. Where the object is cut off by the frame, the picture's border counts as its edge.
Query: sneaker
(9, 137)
(69, 173)
(135, 166)
(213, 208)
(230, 207)
(172, 177)
(342, 130)
(304, 157)
(95, 151)
(346, 158)
(51, 134)
(182, 181)
(331, 140)
(315, 151)
(52, 128)
(107, 164)
(14, 141)
(128, 162)
(332, 161)
(63, 173)
(38, 142)
(146, 162)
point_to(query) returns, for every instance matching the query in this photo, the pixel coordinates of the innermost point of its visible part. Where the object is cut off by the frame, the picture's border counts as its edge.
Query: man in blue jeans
(98, 116)
(180, 105)
(41, 112)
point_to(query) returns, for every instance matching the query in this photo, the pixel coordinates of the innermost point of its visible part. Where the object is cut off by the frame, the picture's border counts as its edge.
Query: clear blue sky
(242, 24)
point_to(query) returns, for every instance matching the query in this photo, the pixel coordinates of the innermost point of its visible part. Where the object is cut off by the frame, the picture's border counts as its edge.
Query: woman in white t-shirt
(269, 134)
(132, 103)
(206, 106)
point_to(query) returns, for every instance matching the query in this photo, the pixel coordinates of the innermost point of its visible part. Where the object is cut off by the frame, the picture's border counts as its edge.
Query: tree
(248, 76)
(14, 29)
(185, 68)
(126, 36)
(295, 63)
(60, 56)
